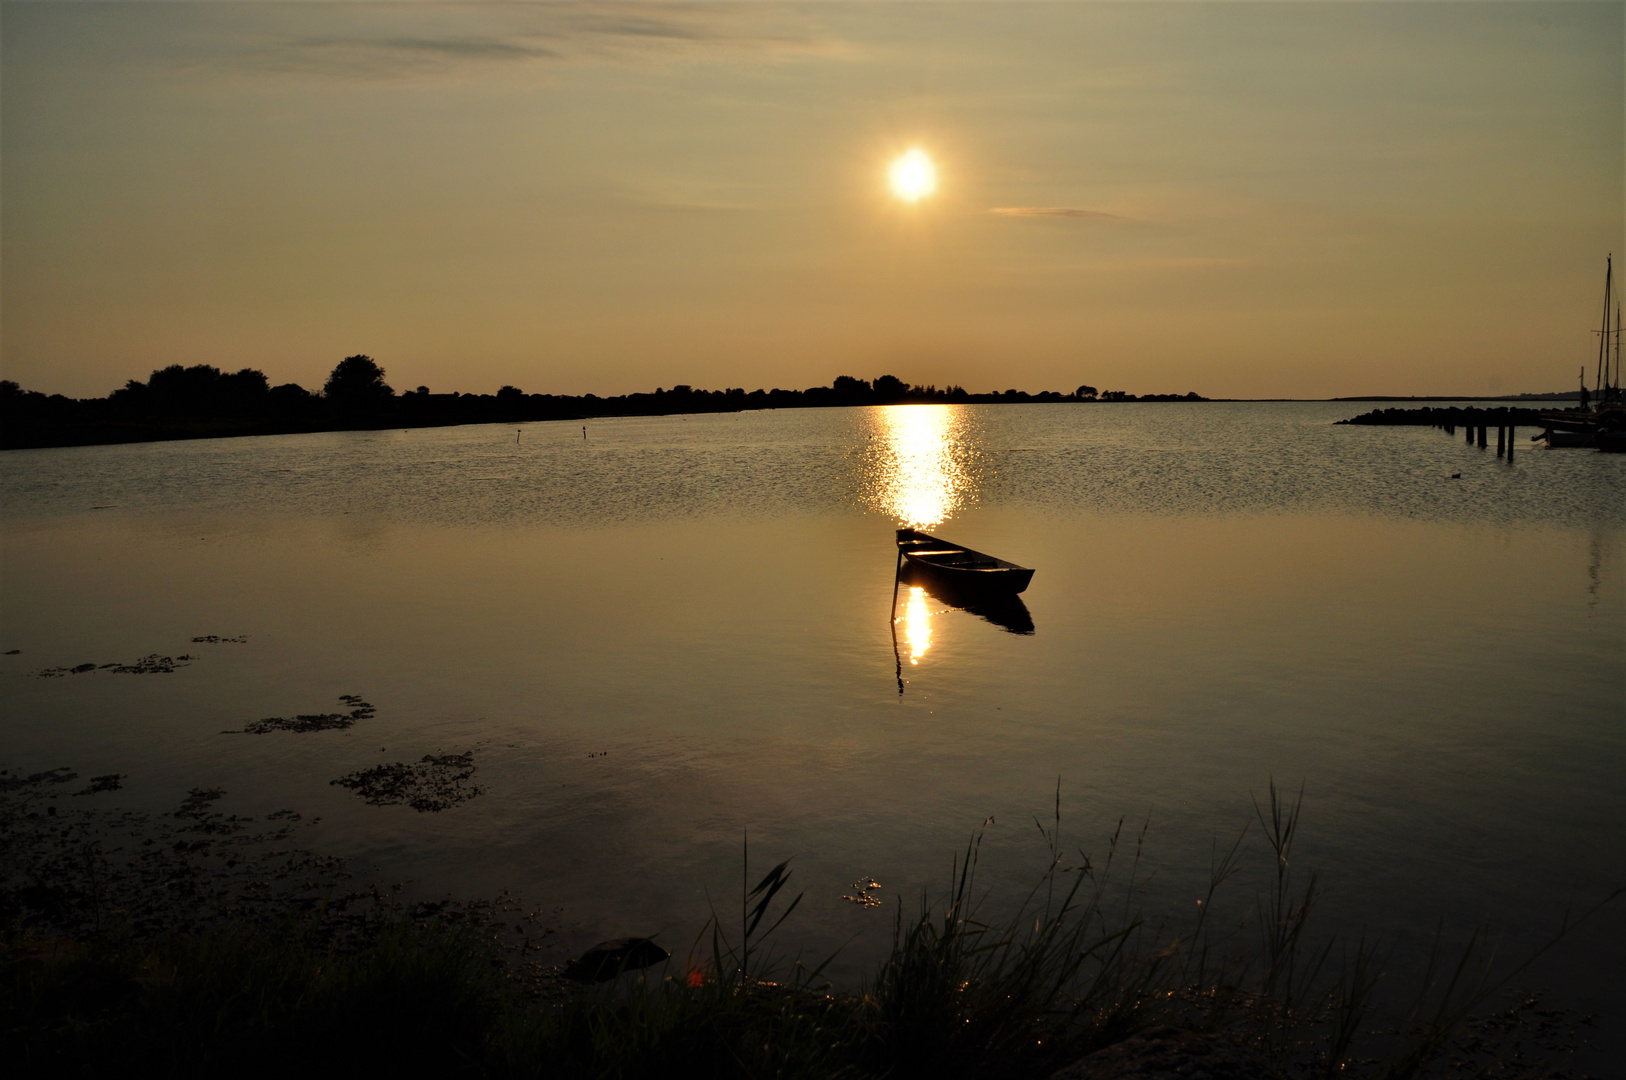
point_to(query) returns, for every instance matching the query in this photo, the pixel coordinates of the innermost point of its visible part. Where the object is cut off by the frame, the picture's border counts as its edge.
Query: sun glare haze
(913, 176)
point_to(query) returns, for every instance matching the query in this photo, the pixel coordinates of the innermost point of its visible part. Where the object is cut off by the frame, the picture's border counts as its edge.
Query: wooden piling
(1501, 440)
(1483, 442)
(1511, 439)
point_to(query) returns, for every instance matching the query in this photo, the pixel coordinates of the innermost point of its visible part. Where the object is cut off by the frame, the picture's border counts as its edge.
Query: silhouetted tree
(357, 385)
(291, 401)
(182, 391)
(850, 391)
(890, 388)
(1085, 393)
(510, 402)
(201, 391)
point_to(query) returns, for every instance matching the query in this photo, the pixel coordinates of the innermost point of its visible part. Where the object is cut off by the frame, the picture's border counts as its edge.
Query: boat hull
(961, 569)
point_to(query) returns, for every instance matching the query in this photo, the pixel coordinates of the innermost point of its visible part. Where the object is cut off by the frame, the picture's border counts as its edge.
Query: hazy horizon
(316, 386)
(1245, 200)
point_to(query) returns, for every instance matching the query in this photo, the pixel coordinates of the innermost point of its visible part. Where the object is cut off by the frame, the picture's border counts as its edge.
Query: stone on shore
(608, 959)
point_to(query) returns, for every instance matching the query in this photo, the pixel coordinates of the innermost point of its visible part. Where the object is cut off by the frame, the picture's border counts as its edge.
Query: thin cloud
(367, 52)
(409, 41)
(1056, 211)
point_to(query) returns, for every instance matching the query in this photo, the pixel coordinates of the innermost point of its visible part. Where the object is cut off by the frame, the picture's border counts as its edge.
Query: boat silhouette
(961, 569)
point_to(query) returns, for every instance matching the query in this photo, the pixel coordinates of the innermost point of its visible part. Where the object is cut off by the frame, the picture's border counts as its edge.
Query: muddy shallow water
(618, 654)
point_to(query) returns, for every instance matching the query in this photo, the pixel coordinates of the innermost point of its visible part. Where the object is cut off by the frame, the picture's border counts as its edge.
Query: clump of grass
(1060, 975)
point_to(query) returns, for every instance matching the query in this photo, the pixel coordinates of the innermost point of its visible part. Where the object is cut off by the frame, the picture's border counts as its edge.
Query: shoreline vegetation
(203, 402)
(190, 944)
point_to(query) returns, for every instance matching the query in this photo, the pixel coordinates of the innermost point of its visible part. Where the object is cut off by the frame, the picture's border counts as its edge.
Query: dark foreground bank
(202, 402)
(201, 944)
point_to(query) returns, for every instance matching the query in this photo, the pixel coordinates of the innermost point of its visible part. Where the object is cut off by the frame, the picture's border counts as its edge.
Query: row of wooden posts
(1504, 437)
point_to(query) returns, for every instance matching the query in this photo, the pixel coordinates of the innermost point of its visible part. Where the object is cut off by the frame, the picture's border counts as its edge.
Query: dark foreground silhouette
(203, 402)
(201, 943)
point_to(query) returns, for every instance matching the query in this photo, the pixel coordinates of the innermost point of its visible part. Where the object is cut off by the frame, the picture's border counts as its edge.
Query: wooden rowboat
(960, 567)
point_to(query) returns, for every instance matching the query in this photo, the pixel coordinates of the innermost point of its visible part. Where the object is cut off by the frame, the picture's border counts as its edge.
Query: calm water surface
(679, 628)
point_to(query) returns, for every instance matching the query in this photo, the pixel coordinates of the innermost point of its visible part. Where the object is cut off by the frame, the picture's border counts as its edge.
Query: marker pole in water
(892, 617)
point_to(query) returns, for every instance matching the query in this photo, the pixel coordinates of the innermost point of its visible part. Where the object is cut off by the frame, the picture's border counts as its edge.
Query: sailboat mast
(1603, 335)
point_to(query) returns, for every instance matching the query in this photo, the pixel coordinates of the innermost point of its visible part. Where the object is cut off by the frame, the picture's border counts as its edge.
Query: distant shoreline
(1567, 395)
(204, 403)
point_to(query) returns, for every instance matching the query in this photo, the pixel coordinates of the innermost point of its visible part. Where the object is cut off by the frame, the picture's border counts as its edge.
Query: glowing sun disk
(913, 176)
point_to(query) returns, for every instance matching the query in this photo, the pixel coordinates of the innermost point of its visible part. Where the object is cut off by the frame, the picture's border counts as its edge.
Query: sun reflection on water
(924, 468)
(917, 624)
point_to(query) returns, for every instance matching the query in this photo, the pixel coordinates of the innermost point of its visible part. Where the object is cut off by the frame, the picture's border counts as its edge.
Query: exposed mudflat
(72, 868)
(79, 867)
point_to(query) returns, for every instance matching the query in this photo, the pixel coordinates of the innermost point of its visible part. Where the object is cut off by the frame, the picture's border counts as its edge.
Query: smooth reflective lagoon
(680, 628)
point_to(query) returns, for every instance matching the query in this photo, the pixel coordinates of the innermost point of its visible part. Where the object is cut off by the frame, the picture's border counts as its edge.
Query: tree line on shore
(203, 401)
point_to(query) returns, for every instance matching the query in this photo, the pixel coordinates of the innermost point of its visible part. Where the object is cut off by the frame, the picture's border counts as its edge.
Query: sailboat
(1611, 438)
(1601, 419)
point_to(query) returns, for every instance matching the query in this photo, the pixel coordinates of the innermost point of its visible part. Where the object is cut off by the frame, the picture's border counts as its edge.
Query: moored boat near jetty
(1603, 425)
(1598, 422)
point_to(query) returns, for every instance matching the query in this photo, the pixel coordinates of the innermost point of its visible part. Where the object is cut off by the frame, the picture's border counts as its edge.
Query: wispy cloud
(378, 55)
(1057, 212)
(390, 41)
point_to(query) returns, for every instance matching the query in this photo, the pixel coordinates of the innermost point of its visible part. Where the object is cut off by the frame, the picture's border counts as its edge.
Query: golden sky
(1287, 199)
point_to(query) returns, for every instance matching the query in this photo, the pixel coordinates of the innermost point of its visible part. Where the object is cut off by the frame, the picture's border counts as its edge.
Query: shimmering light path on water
(679, 628)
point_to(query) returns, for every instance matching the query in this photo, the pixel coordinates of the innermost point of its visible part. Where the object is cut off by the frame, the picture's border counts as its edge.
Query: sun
(912, 176)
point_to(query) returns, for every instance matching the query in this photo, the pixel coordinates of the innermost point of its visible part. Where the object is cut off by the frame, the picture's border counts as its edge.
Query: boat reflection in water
(1005, 610)
(919, 588)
